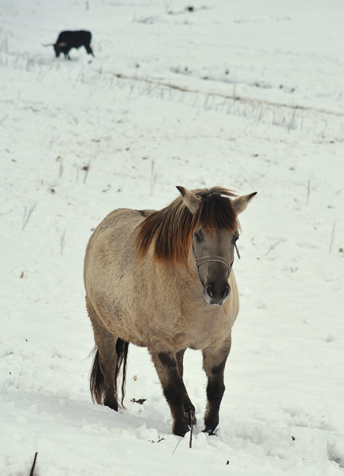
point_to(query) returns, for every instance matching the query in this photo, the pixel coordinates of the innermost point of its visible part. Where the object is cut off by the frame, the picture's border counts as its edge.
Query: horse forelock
(170, 231)
(217, 210)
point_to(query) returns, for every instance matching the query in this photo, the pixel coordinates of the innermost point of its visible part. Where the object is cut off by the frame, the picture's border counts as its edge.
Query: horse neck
(182, 272)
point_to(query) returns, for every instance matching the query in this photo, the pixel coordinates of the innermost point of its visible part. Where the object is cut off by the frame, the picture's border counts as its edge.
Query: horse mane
(171, 229)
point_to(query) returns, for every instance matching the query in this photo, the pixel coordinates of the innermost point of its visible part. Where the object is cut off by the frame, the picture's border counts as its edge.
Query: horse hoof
(180, 430)
(210, 431)
(111, 403)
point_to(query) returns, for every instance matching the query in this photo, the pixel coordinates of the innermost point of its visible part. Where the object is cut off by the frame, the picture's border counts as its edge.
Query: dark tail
(122, 357)
(97, 381)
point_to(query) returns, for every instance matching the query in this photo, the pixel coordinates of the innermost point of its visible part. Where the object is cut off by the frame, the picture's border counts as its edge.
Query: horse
(164, 280)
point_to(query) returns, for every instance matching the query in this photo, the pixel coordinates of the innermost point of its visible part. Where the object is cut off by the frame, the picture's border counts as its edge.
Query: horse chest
(204, 329)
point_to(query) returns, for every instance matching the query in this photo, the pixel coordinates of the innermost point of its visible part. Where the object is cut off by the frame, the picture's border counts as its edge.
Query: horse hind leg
(111, 352)
(102, 382)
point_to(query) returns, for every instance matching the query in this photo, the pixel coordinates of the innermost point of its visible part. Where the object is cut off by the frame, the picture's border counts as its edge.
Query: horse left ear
(190, 200)
(240, 203)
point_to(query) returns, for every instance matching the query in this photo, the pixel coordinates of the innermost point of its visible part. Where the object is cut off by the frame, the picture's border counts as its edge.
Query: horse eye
(235, 238)
(199, 237)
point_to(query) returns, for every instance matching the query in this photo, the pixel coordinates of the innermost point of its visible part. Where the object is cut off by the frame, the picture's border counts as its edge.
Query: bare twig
(60, 160)
(177, 445)
(153, 178)
(33, 464)
(308, 191)
(86, 169)
(63, 241)
(27, 214)
(272, 247)
(3, 119)
(292, 122)
(233, 97)
(332, 236)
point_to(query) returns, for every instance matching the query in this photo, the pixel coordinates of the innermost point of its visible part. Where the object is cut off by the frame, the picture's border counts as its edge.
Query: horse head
(214, 240)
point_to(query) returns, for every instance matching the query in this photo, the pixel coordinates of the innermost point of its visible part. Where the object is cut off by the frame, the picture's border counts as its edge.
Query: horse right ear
(190, 200)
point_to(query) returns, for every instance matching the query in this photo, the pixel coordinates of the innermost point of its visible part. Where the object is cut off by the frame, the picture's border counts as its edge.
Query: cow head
(58, 48)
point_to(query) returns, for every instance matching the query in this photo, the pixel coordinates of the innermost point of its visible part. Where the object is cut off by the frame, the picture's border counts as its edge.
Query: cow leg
(173, 387)
(189, 408)
(89, 50)
(214, 362)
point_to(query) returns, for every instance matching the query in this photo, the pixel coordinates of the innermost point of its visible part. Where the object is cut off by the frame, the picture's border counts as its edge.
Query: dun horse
(164, 280)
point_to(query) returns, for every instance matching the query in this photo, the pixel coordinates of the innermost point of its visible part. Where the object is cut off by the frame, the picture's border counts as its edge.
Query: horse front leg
(189, 408)
(173, 387)
(214, 362)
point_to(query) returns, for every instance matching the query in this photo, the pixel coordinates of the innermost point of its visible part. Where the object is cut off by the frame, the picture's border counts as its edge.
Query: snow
(243, 94)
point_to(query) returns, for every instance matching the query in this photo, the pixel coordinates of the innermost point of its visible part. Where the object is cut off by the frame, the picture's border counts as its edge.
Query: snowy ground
(244, 94)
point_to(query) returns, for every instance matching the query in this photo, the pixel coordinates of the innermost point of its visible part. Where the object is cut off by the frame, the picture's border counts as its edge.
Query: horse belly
(118, 320)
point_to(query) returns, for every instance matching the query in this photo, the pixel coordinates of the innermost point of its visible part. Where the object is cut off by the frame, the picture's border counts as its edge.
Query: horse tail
(122, 356)
(97, 380)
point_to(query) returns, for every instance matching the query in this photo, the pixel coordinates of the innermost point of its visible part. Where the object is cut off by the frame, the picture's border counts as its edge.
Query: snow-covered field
(244, 94)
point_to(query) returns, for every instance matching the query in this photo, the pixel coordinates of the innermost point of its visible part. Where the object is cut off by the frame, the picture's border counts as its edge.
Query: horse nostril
(209, 291)
(226, 292)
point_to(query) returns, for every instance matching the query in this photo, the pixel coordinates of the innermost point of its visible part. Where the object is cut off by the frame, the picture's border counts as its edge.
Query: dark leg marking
(215, 391)
(167, 360)
(189, 408)
(214, 366)
(173, 389)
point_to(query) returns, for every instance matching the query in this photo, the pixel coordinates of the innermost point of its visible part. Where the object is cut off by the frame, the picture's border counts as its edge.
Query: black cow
(72, 39)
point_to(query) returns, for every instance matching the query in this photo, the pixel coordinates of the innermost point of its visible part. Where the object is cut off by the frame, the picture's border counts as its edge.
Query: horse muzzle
(216, 297)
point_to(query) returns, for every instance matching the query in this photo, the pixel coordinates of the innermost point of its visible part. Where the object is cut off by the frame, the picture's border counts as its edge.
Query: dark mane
(171, 229)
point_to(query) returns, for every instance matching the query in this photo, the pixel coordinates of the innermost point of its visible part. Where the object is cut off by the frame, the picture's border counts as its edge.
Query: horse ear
(240, 203)
(190, 200)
